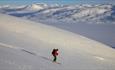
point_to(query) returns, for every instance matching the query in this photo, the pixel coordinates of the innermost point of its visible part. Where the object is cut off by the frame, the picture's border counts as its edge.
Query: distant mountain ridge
(96, 14)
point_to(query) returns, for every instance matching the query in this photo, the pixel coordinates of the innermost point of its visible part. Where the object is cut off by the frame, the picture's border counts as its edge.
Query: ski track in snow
(18, 48)
(23, 50)
(35, 54)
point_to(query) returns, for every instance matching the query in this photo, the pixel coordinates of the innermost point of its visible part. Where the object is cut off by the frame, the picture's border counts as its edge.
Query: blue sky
(18, 2)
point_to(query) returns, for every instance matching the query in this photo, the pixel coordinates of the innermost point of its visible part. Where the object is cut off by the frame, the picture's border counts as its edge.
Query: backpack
(53, 52)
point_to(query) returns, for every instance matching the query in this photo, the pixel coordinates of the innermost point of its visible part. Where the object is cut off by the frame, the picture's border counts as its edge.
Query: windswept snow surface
(93, 21)
(26, 45)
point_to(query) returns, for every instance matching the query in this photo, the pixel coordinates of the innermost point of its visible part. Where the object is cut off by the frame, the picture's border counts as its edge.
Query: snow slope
(93, 21)
(26, 45)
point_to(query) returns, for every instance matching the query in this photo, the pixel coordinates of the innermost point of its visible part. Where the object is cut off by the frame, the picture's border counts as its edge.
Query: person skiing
(55, 54)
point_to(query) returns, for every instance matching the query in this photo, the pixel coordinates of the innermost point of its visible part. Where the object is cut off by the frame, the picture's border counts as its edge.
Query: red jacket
(55, 52)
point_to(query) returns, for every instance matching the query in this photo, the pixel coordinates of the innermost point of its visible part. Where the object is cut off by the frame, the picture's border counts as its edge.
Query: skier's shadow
(32, 53)
(43, 57)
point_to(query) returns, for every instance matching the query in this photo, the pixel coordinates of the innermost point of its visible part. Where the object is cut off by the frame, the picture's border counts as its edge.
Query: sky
(18, 2)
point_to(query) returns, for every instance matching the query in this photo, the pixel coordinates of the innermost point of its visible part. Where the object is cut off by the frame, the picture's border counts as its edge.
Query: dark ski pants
(55, 58)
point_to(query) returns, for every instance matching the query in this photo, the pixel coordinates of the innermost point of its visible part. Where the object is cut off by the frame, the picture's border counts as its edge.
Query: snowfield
(26, 45)
(96, 22)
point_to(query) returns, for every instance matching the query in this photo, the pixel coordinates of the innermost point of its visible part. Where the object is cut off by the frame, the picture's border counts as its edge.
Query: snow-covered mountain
(93, 21)
(98, 14)
(26, 45)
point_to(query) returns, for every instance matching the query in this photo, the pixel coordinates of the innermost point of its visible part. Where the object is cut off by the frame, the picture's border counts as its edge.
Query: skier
(55, 54)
